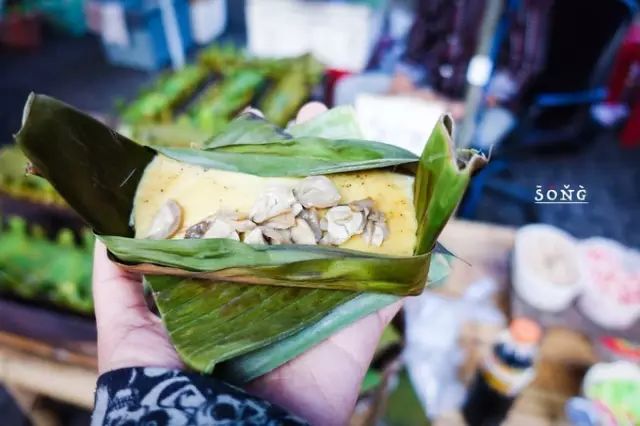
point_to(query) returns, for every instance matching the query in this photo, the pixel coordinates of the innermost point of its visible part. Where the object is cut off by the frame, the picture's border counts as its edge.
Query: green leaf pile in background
(56, 271)
(203, 97)
(237, 329)
(16, 183)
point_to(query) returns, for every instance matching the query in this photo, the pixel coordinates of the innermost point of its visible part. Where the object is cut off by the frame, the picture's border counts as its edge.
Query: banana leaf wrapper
(243, 324)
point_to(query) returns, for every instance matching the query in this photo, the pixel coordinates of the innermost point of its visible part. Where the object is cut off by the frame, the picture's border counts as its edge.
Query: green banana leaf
(241, 330)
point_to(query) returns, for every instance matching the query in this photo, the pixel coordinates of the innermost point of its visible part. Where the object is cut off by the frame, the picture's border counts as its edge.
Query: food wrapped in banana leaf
(159, 102)
(58, 271)
(263, 242)
(213, 110)
(291, 88)
(222, 58)
(287, 95)
(15, 183)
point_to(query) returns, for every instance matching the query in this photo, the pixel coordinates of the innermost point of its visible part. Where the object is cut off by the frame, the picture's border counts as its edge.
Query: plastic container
(611, 296)
(340, 35)
(145, 44)
(208, 20)
(546, 271)
(615, 387)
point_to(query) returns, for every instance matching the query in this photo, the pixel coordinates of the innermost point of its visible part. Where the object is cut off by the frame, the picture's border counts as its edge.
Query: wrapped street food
(262, 242)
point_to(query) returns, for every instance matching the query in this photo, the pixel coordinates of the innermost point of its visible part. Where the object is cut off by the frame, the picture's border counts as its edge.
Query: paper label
(402, 121)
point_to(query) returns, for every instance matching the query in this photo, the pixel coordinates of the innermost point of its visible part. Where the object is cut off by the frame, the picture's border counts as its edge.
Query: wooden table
(68, 373)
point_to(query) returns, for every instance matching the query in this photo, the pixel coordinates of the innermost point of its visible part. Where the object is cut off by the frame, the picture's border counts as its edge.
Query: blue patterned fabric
(159, 397)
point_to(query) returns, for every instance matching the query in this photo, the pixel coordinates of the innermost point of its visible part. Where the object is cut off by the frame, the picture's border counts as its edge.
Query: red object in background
(628, 58)
(332, 76)
(20, 31)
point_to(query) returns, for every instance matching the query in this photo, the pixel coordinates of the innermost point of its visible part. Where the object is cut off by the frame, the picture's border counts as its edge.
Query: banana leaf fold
(231, 308)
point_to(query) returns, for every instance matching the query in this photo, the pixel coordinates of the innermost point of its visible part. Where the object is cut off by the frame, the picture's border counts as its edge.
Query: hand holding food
(263, 242)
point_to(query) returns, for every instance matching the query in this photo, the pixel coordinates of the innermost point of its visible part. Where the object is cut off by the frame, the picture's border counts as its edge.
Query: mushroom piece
(311, 217)
(198, 230)
(244, 225)
(375, 233)
(325, 240)
(222, 224)
(255, 237)
(302, 233)
(342, 223)
(317, 191)
(166, 221)
(376, 230)
(365, 205)
(277, 236)
(237, 220)
(296, 209)
(221, 229)
(282, 221)
(273, 202)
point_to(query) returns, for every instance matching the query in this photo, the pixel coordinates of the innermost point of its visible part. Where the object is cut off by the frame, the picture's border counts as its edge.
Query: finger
(310, 110)
(115, 292)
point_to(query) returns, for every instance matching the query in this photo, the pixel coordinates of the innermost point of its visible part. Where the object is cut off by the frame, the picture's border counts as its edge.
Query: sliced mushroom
(282, 221)
(296, 209)
(198, 230)
(255, 237)
(325, 240)
(324, 224)
(166, 222)
(222, 224)
(375, 233)
(277, 236)
(221, 229)
(244, 225)
(364, 205)
(317, 191)
(273, 202)
(311, 216)
(377, 216)
(302, 233)
(376, 230)
(342, 223)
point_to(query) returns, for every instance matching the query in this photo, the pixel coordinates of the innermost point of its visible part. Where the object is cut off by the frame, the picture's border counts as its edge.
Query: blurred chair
(585, 35)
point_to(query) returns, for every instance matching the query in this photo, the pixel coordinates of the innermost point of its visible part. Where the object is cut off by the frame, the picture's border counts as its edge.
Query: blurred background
(539, 322)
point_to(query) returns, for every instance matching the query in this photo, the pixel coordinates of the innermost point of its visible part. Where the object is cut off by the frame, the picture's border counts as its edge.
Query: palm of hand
(320, 385)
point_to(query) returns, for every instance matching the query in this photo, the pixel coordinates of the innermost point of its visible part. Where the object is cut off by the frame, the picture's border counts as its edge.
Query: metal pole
(479, 71)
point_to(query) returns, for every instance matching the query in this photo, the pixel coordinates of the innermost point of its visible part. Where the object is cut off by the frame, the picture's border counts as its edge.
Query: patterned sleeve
(158, 396)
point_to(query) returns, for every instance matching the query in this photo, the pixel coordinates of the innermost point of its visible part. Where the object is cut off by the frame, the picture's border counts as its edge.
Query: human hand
(320, 385)
(401, 84)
